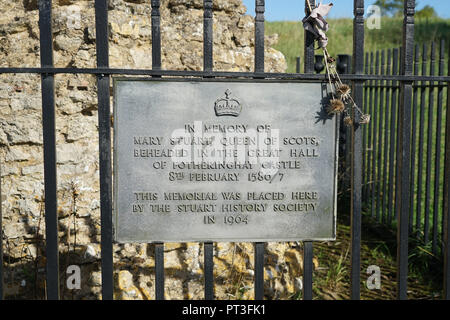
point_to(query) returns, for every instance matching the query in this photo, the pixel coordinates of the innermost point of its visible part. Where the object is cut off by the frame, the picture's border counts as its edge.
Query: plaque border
(117, 79)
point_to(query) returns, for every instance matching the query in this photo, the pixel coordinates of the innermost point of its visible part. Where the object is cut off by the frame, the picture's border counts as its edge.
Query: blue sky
(294, 9)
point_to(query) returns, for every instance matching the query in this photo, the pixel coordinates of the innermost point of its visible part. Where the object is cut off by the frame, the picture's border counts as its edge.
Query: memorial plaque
(210, 160)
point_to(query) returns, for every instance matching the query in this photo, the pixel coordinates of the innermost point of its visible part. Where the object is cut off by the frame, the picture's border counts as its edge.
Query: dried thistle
(336, 106)
(348, 121)
(343, 91)
(365, 118)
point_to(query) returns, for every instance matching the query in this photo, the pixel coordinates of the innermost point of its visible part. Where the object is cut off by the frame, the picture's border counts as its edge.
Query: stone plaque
(210, 160)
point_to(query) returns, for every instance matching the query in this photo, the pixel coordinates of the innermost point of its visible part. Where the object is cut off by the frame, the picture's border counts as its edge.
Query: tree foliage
(395, 8)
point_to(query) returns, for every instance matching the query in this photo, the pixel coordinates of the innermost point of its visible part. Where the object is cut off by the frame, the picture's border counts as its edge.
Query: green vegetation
(390, 6)
(340, 36)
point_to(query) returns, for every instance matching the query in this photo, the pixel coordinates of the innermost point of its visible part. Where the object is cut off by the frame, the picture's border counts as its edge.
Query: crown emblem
(227, 106)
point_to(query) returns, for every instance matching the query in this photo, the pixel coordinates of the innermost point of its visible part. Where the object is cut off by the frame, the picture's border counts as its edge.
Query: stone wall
(77, 149)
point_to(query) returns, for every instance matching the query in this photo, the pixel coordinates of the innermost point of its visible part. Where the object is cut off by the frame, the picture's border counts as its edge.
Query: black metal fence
(381, 99)
(404, 84)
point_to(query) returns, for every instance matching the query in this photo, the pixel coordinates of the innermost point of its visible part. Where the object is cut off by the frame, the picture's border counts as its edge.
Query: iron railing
(426, 218)
(402, 79)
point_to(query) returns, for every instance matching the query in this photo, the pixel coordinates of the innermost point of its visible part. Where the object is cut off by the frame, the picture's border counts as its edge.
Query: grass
(340, 36)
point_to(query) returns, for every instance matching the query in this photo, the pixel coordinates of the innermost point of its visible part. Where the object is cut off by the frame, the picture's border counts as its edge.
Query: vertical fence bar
(365, 143)
(421, 142)
(437, 159)
(370, 137)
(308, 246)
(446, 217)
(48, 124)
(297, 64)
(1, 237)
(426, 224)
(104, 131)
(380, 139)
(344, 67)
(259, 68)
(259, 35)
(307, 270)
(207, 35)
(208, 66)
(392, 141)
(443, 176)
(159, 271)
(386, 138)
(396, 194)
(403, 157)
(358, 86)
(413, 140)
(156, 36)
(376, 134)
(156, 65)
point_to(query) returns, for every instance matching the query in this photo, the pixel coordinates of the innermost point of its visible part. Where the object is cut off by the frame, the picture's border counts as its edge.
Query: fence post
(208, 247)
(393, 139)
(344, 63)
(375, 135)
(437, 161)
(365, 139)
(344, 67)
(404, 150)
(308, 245)
(414, 138)
(156, 65)
(259, 68)
(356, 151)
(429, 163)
(156, 35)
(308, 56)
(319, 63)
(1, 236)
